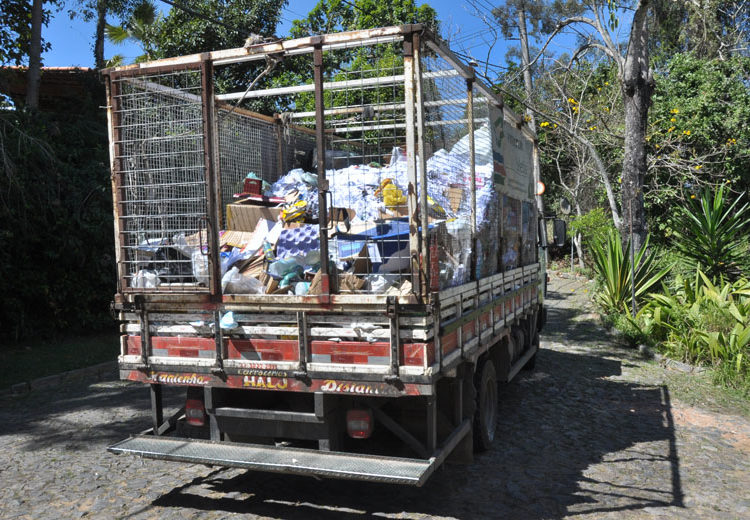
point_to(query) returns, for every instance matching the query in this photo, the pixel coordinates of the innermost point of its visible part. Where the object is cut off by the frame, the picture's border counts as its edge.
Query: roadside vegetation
(694, 302)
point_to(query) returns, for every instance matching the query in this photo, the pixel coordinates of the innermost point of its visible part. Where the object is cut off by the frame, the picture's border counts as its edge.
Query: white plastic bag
(234, 283)
(145, 279)
(200, 267)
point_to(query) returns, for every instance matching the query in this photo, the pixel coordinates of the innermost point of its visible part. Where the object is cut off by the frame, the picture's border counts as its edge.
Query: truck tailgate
(393, 470)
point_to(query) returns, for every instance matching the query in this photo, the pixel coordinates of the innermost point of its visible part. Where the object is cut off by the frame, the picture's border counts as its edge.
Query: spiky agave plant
(712, 235)
(613, 268)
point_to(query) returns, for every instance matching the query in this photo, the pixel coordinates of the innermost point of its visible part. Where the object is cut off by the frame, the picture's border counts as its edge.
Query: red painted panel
(379, 348)
(176, 346)
(414, 353)
(449, 342)
(485, 321)
(468, 331)
(266, 349)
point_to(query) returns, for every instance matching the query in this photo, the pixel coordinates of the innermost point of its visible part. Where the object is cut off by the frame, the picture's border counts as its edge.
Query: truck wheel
(485, 417)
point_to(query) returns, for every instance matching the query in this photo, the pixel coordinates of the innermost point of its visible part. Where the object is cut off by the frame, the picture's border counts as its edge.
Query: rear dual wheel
(485, 417)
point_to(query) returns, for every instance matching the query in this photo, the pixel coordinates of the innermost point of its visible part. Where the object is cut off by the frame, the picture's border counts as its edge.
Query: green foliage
(712, 234)
(703, 323)
(698, 134)
(594, 226)
(15, 30)
(56, 242)
(710, 29)
(613, 269)
(337, 15)
(138, 28)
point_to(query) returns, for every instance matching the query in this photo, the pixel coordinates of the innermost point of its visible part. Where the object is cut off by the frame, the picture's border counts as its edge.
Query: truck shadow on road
(572, 440)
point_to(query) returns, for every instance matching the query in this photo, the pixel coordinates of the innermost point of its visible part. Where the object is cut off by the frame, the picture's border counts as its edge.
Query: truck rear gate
(418, 292)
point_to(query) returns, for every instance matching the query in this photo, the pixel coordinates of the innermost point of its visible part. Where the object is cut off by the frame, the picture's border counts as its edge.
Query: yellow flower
(544, 123)
(592, 128)
(675, 111)
(686, 132)
(606, 83)
(555, 125)
(698, 166)
(670, 129)
(606, 109)
(673, 119)
(692, 196)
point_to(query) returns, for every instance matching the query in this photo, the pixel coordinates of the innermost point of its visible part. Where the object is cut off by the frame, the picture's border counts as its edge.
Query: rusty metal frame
(421, 164)
(213, 185)
(281, 47)
(213, 178)
(328, 279)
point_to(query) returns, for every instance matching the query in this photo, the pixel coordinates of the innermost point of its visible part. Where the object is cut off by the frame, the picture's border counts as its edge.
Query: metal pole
(572, 244)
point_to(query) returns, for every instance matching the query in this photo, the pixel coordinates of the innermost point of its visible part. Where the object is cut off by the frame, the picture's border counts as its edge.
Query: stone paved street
(592, 433)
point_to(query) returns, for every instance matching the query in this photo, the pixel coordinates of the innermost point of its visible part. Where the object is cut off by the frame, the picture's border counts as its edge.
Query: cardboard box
(454, 195)
(244, 217)
(350, 283)
(235, 238)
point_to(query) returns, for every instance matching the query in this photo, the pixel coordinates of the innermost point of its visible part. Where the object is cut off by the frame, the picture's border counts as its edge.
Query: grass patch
(694, 389)
(30, 360)
(701, 391)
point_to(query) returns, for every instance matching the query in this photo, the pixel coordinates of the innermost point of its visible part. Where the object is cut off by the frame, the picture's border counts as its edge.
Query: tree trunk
(101, 22)
(637, 85)
(525, 61)
(577, 239)
(35, 56)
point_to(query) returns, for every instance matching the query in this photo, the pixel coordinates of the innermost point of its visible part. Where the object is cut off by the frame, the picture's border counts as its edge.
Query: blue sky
(72, 40)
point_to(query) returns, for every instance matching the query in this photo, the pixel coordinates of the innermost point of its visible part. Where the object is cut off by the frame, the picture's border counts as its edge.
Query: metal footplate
(297, 461)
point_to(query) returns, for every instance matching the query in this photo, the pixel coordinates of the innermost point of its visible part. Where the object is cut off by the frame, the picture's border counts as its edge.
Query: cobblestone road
(592, 433)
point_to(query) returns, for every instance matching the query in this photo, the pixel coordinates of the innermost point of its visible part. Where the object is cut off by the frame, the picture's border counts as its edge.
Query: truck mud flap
(393, 470)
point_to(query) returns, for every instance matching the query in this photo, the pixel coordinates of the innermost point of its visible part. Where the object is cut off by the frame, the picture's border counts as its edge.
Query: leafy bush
(56, 242)
(614, 273)
(702, 323)
(593, 227)
(711, 235)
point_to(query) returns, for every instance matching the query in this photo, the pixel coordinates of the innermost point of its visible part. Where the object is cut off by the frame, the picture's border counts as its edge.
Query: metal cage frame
(417, 43)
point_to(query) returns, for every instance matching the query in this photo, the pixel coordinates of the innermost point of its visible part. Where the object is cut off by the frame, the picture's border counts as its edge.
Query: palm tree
(137, 28)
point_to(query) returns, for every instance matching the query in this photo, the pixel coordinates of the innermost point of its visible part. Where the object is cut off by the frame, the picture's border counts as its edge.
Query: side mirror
(560, 228)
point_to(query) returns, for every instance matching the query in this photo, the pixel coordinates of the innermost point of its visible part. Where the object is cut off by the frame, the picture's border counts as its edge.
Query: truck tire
(485, 417)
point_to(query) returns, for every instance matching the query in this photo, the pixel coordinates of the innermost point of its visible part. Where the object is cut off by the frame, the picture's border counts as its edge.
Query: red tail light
(195, 410)
(359, 423)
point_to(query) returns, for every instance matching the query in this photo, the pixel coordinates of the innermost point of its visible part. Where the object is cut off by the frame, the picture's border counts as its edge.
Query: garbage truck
(331, 245)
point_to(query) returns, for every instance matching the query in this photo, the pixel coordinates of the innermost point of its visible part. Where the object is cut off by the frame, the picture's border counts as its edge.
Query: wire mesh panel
(489, 201)
(159, 150)
(366, 166)
(448, 165)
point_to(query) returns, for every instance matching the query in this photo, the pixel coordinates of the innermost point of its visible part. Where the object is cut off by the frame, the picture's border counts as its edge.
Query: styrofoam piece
(298, 241)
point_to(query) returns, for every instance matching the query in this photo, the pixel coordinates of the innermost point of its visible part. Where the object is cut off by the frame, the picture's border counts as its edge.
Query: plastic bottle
(281, 268)
(268, 251)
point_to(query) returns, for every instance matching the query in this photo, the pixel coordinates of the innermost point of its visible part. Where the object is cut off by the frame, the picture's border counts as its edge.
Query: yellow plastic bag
(294, 212)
